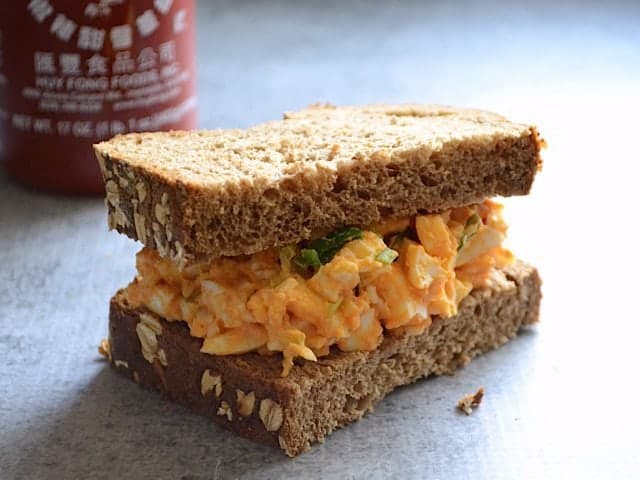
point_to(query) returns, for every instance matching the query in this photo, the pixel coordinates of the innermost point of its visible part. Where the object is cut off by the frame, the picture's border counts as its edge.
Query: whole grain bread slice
(246, 394)
(232, 192)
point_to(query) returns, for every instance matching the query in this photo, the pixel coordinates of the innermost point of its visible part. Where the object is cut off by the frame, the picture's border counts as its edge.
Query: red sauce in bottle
(75, 72)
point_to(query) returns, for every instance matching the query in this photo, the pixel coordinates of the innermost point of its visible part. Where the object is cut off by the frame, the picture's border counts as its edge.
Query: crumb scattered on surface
(471, 401)
(104, 349)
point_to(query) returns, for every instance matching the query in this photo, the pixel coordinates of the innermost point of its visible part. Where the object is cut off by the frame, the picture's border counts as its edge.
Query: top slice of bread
(233, 192)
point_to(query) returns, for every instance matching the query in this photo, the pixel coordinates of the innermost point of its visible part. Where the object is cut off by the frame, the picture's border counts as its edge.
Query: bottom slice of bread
(246, 394)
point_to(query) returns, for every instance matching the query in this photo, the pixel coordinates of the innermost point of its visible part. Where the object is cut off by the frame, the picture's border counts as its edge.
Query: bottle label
(93, 69)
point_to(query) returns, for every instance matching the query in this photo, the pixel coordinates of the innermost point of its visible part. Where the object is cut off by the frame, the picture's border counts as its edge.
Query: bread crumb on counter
(104, 349)
(471, 401)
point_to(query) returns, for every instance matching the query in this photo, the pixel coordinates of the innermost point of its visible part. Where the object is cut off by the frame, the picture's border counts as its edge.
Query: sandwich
(296, 272)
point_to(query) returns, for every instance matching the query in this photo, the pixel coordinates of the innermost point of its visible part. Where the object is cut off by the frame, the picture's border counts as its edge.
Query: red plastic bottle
(76, 72)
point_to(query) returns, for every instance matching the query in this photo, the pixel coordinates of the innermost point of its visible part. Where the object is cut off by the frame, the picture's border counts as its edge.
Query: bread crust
(246, 394)
(228, 193)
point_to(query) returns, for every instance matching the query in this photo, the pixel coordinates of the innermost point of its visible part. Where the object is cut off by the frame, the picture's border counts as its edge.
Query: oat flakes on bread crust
(232, 192)
(246, 394)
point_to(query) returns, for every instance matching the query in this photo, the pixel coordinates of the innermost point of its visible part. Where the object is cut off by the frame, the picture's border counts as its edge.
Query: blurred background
(560, 401)
(285, 54)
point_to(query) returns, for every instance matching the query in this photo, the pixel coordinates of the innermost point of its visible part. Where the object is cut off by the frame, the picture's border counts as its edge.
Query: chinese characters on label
(48, 63)
(105, 69)
(120, 36)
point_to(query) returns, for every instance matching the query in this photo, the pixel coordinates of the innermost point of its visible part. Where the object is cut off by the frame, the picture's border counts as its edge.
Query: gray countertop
(561, 399)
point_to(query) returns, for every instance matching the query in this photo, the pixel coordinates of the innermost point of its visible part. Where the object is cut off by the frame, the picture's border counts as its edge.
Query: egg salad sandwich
(296, 272)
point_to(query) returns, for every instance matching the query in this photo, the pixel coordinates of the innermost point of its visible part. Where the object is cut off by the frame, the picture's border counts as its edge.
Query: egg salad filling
(347, 289)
